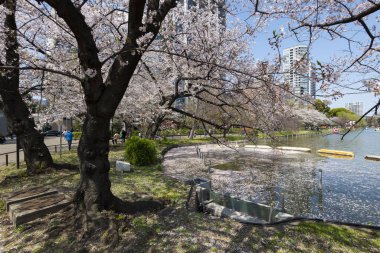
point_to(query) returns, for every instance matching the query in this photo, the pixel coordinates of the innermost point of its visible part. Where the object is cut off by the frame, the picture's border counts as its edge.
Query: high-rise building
(299, 71)
(356, 108)
(216, 7)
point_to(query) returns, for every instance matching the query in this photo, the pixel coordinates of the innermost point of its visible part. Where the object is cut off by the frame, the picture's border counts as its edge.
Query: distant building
(216, 7)
(299, 71)
(357, 108)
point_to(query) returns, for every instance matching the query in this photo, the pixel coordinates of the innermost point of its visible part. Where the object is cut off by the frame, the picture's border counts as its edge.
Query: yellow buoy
(345, 157)
(335, 152)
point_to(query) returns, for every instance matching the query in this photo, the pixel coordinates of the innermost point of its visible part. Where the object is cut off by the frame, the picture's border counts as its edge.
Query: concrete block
(223, 212)
(283, 216)
(123, 166)
(372, 157)
(295, 149)
(29, 210)
(258, 147)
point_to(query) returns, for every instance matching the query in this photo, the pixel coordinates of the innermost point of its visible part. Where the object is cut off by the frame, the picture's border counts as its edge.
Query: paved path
(50, 141)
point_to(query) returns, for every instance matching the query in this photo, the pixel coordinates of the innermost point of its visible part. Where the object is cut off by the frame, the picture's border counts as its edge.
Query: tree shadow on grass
(304, 237)
(177, 229)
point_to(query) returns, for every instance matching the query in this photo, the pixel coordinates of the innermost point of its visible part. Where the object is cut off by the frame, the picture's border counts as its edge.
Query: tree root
(63, 166)
(128, 207)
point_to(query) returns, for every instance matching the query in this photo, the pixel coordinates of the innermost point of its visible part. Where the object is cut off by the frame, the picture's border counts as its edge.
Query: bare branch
(43, 69)
(375, 107)
(88, 52)
(347, 20)
(196, 117)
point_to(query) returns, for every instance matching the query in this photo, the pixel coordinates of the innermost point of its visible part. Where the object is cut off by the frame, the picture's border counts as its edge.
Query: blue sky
(322, 50)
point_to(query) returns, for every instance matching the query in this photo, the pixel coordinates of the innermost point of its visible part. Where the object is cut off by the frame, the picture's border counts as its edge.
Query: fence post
(60, 141)
(6, 159)
(17, 153)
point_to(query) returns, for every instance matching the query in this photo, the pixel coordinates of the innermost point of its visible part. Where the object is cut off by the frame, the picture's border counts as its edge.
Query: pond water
(307, 184)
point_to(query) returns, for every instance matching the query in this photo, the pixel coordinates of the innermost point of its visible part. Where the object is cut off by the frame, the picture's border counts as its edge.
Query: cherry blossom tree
(310, 117)
(352, 24)
(91, 51)
(98, 45)
(206, 64)
(103, 94)
(37, 155)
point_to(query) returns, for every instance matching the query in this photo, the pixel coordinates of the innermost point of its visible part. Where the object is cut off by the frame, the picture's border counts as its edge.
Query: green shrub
(140, 151)
(77, 135)
(180, 131)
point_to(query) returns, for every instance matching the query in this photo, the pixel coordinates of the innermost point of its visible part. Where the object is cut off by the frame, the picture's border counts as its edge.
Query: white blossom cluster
(197, 55)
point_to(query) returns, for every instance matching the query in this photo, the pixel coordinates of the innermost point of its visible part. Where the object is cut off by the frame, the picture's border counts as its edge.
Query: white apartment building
(217, 7)
(356, 107)
(298, 71)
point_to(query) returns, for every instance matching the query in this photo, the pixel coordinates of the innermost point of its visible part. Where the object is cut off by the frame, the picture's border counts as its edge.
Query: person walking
(69, 138)
(123, 135)
(116, 136)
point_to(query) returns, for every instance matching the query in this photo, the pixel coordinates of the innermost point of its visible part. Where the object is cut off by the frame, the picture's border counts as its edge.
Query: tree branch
(43, 69)
(350, 19)
(87, 51)
(375, 107)
(196, 117)
(126, 62)
(136, 12)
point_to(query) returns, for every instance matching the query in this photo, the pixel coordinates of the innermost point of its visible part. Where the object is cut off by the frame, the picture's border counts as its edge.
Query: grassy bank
(173, 229)
(239, 136)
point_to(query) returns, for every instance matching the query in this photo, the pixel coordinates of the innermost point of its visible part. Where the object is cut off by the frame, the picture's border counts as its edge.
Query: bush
(77, 135)
(140, 151)
(179, 131)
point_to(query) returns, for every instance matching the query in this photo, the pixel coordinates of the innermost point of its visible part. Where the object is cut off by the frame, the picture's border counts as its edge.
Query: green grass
(238, 137)
(300, 132)
(178, 230)
(344, 238)
(147, 181)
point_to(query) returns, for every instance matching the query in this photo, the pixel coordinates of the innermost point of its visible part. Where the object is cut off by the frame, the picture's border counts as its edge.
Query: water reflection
(307, 184)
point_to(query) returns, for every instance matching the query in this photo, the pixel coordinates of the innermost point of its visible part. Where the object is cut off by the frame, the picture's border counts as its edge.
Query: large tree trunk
(94, 191)
(193, 128)
(225, 132)
(154, 127)
(103, 96)
(37, 155)
(128, 128)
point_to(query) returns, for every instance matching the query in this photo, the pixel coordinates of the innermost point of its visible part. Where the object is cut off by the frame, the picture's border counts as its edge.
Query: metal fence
(11, 157)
